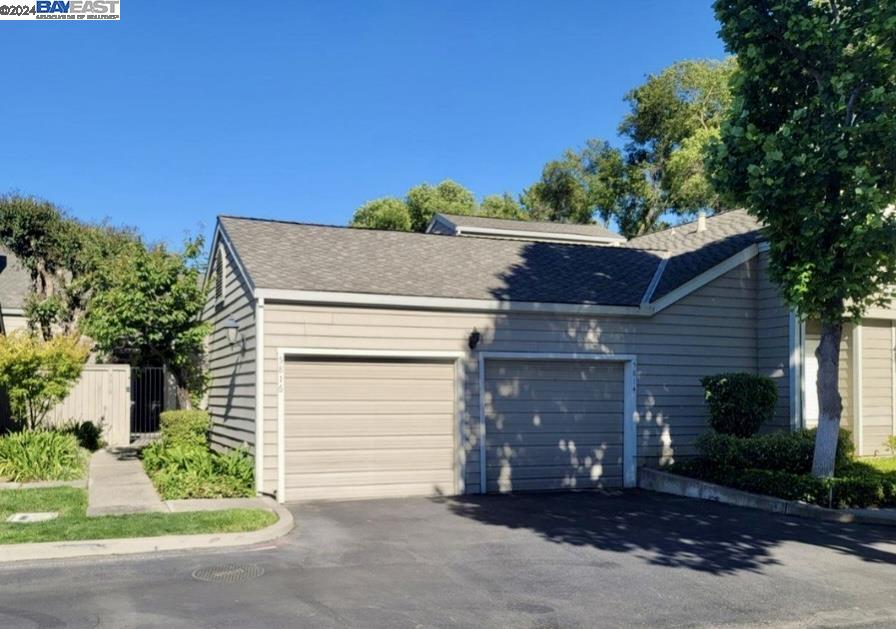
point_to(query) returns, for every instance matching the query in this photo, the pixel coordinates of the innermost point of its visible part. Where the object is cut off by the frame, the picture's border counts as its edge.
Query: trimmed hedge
(185, 427)
(739, 403)
(849, 491)
(786, 452)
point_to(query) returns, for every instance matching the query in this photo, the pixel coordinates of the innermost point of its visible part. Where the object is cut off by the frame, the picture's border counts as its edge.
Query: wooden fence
(103, 396)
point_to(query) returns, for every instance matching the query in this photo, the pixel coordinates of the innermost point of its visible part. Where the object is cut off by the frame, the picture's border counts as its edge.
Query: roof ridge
(409, 233)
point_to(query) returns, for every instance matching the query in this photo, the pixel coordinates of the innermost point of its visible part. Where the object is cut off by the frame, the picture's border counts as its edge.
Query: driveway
(560, 560)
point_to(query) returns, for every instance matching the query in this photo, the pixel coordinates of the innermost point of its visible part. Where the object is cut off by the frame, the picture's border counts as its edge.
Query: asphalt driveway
(561, 560)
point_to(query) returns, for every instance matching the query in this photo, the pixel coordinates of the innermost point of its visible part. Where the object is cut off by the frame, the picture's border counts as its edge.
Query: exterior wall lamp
(234, 335)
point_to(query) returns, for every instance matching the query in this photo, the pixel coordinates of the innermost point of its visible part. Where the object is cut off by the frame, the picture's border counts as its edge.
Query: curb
(666, 483)
(46, 484)
(10, 553)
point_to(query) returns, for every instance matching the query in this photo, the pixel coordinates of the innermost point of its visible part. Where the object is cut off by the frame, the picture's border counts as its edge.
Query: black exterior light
(233, 331)
(474, 339)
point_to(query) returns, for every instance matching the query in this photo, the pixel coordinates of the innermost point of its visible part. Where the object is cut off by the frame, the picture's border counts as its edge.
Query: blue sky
(304, 110)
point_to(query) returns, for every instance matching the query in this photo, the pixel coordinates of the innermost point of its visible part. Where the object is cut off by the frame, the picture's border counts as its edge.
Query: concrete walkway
(118, 485)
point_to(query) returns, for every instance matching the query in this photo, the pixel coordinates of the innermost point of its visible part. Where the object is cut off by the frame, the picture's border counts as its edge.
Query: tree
(447, 197)
(561, 194)
(386, 213)
(673, 116)
(61, 255)
(38, 374)
(808, 149)
(502, 206)
(147, 305)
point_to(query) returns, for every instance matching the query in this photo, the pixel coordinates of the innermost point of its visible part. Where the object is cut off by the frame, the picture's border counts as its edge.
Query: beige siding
(13, 322)
(553, 425)
(845, 384)
(231, 395)
(102, 395)
(877, 386)
(369, 429)
(711, 330)
(773, 341)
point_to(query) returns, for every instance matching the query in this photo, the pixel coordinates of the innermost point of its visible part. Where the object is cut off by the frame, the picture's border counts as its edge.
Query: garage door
(368, 429)
(553, 425)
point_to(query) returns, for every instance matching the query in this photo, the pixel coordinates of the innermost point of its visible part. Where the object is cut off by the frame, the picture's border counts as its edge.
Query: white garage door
(553, 425)
(368, 429)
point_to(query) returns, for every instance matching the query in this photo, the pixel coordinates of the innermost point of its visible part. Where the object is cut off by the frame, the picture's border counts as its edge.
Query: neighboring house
(537, 231)
(15, 286)
(358, 363)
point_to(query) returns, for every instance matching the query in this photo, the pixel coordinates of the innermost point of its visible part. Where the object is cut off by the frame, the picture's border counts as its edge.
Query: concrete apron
(663, 482)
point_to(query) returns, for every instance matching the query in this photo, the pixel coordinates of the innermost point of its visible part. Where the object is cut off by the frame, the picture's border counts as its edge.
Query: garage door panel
(369, 442)
(553, 425)
(386, 459)
(367, 479)
(560, 406)
(376, 407)
(369, 390)
(365, 429)
(547, 455)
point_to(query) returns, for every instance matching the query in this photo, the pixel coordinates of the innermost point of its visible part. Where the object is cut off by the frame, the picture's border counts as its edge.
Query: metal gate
(147, 399)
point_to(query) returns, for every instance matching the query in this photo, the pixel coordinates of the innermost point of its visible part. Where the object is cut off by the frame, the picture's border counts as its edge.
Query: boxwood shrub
(185, 427)
(786, 452)
(739, 403)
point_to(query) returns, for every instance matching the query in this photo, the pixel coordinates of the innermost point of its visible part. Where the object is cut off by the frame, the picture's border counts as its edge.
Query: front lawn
(73, 523)
(882, 465)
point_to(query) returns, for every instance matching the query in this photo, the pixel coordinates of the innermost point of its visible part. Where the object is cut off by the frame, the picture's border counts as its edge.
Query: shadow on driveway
(669, 531)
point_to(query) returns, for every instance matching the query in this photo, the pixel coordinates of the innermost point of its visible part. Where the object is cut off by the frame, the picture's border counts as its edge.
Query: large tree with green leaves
(421, 203)
(673, 116)
(808, 148)
(147, 306)
(61, 254)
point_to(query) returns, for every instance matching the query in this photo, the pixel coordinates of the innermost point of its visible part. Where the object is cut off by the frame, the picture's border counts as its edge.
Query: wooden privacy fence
(103, 396)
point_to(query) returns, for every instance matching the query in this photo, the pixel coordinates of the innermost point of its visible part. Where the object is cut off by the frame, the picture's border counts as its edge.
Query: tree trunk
(830, 404)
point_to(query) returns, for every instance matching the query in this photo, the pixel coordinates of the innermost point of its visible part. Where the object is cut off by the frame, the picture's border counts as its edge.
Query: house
(15, 287)
(359, 364)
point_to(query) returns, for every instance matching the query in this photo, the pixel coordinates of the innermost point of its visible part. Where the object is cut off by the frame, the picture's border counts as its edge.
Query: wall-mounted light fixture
(232, 328)
(474, 339)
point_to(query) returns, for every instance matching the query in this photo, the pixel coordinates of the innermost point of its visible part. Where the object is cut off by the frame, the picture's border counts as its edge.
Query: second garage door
(553, 424)
(368, 429)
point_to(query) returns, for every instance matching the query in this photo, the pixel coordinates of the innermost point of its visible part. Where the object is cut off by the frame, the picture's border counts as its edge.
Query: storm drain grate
(230, 573)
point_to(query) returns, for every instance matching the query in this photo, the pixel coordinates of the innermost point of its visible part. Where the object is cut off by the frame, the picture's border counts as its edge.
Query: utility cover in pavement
(30, 518)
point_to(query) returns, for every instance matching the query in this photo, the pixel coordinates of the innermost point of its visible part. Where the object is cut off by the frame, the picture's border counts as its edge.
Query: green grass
(876, 466)
(73, 523)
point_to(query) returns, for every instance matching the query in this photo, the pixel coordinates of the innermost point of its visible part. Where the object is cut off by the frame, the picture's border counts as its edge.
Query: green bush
(41, 455)
(786, 452)
(837, 492)
(185, 427)
(190, 470)
(739, 402)
(88, 434)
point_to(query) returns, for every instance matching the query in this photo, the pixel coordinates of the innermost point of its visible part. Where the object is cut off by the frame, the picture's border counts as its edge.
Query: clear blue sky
(304, 110)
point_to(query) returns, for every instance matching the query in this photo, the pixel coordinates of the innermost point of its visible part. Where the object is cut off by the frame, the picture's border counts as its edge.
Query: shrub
(890, 444)
(38, 374)
(88, 434)
(185, 427)
(739, 402)
(191, 470)
(787, 452)
(849, 491)
(41, 455)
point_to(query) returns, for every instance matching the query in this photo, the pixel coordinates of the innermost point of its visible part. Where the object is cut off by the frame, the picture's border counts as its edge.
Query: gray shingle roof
(547, 228)
(338, 259)
(296, 256)
(15, 283)
(692, 252)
